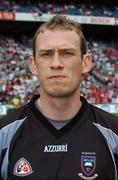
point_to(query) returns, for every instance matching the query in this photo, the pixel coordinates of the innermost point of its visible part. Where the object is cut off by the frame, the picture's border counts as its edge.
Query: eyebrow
(52, 49)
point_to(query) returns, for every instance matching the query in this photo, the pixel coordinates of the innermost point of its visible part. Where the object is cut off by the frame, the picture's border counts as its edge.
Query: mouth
(56, 77)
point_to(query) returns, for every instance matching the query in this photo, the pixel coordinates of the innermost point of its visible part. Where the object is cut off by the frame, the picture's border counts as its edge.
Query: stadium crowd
(101, 86)
(17, 85)
(16, 82)
(52, 7)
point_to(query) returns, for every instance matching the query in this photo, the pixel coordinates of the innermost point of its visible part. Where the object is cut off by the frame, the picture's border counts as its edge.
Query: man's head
(61, 23)
(60, 57)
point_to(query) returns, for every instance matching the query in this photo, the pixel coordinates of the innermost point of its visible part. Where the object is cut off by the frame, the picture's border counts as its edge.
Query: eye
(45, 54)
(68, 53)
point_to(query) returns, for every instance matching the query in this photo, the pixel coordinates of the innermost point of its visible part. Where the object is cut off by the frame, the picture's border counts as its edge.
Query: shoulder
(103, 114)
(15, 117)
(19, 115)
(9, 125)
(104, 119)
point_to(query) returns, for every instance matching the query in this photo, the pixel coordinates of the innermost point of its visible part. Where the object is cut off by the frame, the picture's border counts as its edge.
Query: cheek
(41, 69)
(39, 72)
(42, 72)
(77, 70)
(76, 73)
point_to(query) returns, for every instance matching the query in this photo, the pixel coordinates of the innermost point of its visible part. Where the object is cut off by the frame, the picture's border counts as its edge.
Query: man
(59, 135)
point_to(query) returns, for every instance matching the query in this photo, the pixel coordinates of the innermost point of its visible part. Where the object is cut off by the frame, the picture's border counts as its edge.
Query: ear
(32, 65)
(86, 63)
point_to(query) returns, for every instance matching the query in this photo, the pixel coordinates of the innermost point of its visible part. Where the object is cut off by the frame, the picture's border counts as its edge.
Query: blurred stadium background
(18, 21)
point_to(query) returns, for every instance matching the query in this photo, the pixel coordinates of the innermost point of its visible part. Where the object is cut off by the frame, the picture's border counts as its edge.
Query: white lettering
(56, 148)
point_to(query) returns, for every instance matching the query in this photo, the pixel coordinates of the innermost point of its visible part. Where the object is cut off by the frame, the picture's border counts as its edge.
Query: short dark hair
(63, 23)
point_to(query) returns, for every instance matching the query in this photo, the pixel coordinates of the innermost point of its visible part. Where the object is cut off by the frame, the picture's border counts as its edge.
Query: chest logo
(22, 168)
(88, 164)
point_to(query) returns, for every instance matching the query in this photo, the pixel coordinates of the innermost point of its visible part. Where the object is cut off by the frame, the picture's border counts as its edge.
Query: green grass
(116, 115)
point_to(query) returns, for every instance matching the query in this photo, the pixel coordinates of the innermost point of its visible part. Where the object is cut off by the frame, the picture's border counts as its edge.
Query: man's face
(58, 62)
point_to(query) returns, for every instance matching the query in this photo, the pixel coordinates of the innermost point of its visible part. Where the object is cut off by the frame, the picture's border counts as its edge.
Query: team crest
(22, 168)
(88, 164)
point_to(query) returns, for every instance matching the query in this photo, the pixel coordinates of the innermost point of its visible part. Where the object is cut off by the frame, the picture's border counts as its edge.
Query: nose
(56, 62)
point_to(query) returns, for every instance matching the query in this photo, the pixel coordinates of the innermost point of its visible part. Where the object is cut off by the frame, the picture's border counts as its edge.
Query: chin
(60, 93)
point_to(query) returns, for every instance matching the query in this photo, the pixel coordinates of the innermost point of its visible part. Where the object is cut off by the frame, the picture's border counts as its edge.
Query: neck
(60, 108)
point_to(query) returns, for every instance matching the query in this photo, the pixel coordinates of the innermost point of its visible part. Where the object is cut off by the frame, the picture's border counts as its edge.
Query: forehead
(57, 39)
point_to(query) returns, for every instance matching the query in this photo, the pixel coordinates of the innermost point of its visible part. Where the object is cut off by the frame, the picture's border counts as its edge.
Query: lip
(56, 77)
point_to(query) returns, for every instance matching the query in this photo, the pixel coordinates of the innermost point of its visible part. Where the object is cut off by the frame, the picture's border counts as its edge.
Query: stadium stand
(54, 7)
(102, 84)
(16, 82)
(17, 85)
